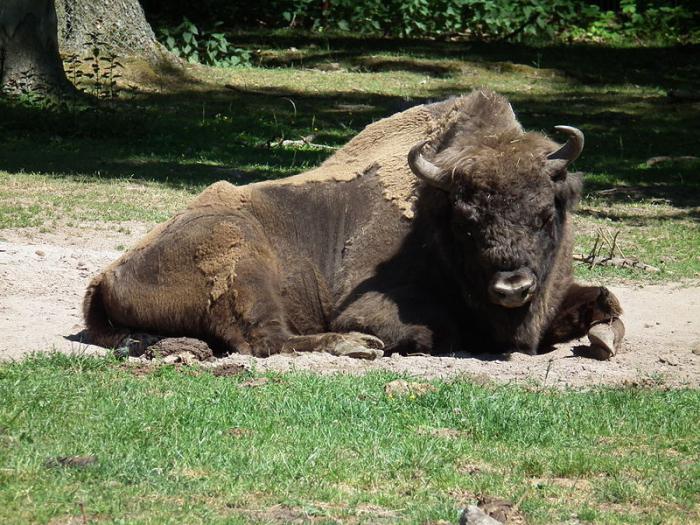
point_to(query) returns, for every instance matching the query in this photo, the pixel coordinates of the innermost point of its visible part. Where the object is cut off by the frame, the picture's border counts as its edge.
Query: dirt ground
(43, 276)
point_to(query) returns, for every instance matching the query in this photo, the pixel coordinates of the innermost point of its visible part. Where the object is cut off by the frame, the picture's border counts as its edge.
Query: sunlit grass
(181, 444)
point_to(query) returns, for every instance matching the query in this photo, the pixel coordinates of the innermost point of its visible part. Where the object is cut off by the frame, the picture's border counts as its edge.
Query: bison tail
(100, 329)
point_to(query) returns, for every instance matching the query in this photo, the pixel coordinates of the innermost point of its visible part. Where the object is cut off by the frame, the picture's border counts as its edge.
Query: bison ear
(427, 171)
(567, 190)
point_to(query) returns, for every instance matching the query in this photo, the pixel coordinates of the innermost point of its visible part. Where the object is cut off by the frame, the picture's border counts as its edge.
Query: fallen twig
(304, 141)
(619, 262)
(611, 242)
(615, 245)
(665, 158)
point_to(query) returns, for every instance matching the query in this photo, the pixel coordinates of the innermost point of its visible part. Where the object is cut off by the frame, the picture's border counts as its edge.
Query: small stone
(473, 515)
(187, 358)
(669, 360)
(171, 359)
(501, 510)
(40, 253)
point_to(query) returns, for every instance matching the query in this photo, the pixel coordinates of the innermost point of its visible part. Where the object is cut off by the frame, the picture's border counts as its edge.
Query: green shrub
(481, 19)
(623, 21)
(200, 46)
(656, 22)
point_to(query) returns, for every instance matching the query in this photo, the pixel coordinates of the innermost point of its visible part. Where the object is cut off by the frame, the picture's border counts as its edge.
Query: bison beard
(461, 242)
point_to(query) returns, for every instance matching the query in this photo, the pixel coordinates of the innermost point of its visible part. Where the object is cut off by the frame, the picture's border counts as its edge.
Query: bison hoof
(347, 349)
(606, 338)
(359, 346)
(365, 340)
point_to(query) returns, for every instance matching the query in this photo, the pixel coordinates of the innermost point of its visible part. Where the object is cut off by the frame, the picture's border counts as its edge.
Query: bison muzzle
(443, 228)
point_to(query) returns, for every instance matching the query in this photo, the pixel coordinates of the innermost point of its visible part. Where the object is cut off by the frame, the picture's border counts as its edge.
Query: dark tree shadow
(198, 133)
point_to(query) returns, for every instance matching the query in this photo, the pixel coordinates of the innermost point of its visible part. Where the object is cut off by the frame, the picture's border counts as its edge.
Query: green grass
(141, 157)
(333, 448)
(43, 201)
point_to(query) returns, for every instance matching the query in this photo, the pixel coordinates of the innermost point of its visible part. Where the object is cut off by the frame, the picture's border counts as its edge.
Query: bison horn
(570, 151)
(426, 170)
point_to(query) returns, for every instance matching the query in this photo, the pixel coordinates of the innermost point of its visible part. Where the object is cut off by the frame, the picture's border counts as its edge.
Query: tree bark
(118, 27)
(29, 58)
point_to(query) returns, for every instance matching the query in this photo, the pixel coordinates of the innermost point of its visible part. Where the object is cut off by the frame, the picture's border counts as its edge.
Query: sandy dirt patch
(43, 276)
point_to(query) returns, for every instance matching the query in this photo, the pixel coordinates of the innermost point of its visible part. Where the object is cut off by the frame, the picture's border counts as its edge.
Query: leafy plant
(482, 19)
(201, 46)
(636, 22)
(654, 20)
(96, 72)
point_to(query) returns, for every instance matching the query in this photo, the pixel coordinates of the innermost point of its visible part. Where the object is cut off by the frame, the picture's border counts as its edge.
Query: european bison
(442, 228)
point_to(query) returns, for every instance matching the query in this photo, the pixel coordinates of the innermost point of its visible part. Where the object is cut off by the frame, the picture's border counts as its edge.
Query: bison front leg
(352, 344)
(251, 318)
(592, 311)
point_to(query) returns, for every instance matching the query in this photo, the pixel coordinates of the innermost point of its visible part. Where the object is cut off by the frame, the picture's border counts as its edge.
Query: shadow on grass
(357, 60)
(639, 220)
(186, 139)
(196, 135)
(665, 67)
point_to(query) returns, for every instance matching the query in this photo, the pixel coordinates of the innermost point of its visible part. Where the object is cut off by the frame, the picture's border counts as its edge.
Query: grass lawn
(168, 445)
(144, 155)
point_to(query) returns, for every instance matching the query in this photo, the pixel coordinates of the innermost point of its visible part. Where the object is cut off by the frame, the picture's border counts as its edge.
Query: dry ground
(43, 276)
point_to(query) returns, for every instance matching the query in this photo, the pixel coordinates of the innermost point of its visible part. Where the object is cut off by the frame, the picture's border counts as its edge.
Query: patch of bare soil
(228, 370)
(71, 461)
(43, 277)
(319, 512)
(501, 510)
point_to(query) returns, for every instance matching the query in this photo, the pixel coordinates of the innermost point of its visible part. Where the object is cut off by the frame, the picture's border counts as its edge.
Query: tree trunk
(29, 59)
(117, 27)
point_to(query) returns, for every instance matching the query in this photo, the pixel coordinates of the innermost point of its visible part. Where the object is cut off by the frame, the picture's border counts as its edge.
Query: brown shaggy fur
(359, 247)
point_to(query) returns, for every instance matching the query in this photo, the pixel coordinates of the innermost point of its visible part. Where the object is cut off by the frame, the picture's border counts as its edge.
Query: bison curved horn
(426, 170)
(570, 151)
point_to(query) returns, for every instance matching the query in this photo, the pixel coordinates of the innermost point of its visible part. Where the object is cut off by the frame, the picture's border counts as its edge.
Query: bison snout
(513, 289)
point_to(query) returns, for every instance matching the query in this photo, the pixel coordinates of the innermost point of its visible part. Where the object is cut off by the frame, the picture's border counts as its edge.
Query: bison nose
(512, 289)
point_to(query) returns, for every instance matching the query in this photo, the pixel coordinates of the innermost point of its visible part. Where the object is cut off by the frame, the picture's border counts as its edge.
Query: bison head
(509, 193)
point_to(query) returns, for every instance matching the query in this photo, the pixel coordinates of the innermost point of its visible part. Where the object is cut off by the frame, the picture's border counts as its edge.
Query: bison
(445, 227)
